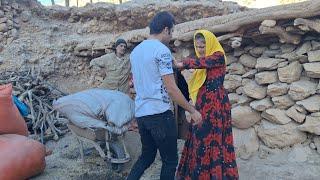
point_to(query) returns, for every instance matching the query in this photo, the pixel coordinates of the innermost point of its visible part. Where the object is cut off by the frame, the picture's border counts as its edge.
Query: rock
(304, 48)
(265, 151)
(261, 105)
(312, 146)
(239, 90)
(275, 46)
(257, 51)
(230, 59)
(311, 125)
(271, 53)
(25, 16)
(311, 104)
(232, 82)
(316, 141)
(316, 114)
(10, 24)
(244, 117)
(3, 20)
(1, 14)
(297, 113)
(276, 116)
(246, 142)
(15, 6)
(3, 27)
(290, 73)
(282, 102)
(248, 60)
(268, 63)
(236, 68)
(250, 74)
(299, 154)
(283, 64)
(277, 89)
(245, 81)
(281, 136)
(287, 48)
(315, 45)
(269, 23)
(238, 52)
(238, 99)
(266, 77)
(292, 56)
(9, 40)
(252, 89)
(302, 89)
(314, 56)
(14, 34)
(312, 69)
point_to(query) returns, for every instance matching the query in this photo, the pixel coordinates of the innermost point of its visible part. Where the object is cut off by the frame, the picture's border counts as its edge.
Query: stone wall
(106, 17)
(275, 94)
(9, 24)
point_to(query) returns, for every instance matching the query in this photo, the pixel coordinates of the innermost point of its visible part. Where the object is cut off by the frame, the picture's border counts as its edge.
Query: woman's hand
(178, 64)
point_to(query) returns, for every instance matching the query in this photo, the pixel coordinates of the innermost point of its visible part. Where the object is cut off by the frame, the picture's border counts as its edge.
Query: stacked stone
(275, 94)
(106, 17)
(9, 22)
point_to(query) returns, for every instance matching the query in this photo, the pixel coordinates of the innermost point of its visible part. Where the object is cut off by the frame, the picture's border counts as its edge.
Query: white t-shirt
(149, 61)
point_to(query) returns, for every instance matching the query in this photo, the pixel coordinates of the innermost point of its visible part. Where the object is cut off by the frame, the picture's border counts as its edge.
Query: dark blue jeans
(157, 132)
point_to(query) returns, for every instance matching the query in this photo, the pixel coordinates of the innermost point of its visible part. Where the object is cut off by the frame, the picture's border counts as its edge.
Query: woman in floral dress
(208, 152)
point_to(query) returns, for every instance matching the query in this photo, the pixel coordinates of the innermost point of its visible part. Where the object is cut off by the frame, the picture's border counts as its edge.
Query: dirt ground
(291, 164)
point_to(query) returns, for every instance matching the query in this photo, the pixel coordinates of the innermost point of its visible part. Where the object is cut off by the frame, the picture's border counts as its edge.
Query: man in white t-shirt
(154, 83)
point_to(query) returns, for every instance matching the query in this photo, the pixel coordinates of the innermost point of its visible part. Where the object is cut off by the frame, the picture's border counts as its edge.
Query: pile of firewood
(44, 123)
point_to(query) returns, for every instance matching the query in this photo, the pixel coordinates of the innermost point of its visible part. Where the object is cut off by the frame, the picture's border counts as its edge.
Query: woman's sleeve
(215, 60)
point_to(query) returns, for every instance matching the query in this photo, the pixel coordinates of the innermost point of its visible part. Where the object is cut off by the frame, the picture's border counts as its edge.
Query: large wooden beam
(232, 22)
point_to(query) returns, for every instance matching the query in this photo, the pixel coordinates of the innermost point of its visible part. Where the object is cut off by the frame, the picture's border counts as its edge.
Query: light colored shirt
(150, 60)
(117, 72)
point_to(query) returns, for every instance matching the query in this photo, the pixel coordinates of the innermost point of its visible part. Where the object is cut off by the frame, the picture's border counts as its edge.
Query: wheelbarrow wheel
(117, 151)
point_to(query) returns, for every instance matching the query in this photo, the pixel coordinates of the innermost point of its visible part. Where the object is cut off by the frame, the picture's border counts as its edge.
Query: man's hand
(195, 117)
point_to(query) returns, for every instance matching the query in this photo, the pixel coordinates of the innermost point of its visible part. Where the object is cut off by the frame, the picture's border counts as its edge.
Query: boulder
(314, 56)
(297, 113)
(244, 117)
(266, 77)
(311, 104)
(232, 82)
(276, 116)
(261, 105)
(280, 136)
(252, 89)
(236, 68)
(277, 89)
(246, 142)
(283, 102)
(290, 73)
(264, 63)
(312, 69)
(311, 125)
(248, 61)
(302, 89)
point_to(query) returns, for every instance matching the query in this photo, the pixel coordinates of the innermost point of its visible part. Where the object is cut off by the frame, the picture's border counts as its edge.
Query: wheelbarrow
(110, 146)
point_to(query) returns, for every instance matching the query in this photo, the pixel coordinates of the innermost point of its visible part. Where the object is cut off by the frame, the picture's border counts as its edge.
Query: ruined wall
(275, 94)
(106, 17)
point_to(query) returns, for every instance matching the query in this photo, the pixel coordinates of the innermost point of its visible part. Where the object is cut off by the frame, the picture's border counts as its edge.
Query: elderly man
(117, 68)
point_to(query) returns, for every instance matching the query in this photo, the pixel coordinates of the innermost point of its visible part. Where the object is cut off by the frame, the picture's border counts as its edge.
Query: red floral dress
(208, 153)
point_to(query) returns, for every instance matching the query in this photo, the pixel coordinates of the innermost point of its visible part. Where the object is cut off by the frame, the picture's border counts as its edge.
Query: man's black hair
(160, 21)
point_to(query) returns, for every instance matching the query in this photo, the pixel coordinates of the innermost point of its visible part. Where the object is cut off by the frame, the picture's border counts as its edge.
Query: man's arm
(176, 95)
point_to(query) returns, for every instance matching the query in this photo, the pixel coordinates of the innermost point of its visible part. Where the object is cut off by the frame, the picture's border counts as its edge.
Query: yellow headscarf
(199, 76)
